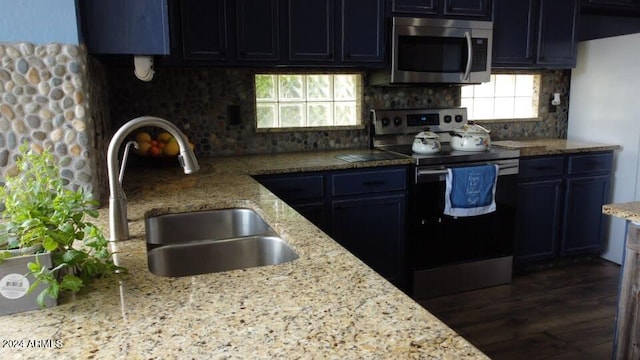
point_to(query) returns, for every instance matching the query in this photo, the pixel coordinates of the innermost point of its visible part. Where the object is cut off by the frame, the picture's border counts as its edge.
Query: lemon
(164, 137)
(171, 149)
(143, 147)
(143, 136)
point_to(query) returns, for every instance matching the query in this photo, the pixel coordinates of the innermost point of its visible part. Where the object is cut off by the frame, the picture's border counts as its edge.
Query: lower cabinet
(364, 210)
(560, 202)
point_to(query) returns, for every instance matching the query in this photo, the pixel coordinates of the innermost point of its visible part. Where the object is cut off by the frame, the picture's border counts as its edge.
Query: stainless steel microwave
(427, 50)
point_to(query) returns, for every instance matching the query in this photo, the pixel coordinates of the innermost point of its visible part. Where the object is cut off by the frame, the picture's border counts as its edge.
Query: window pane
(524, 108)
(468, 103)
(503, 108)
(320, 114)
(266, 115)
(291, 87)
(466, 91)
(484, 90)
(345, 87)
(319, 87)
(524, 85)
(505, 84)
(266, 87)
(307, 100)
(291, 115)
(345, 113)
(483, 108)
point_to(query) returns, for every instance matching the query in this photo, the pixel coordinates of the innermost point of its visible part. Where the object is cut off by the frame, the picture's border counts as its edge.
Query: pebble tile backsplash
(44, 100)
(196, 100)
(57, 97)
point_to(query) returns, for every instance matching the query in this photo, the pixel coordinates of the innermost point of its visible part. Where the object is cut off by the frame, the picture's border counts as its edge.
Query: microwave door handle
(467, 71)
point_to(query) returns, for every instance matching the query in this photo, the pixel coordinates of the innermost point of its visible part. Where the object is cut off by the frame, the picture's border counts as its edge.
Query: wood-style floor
(561, 312)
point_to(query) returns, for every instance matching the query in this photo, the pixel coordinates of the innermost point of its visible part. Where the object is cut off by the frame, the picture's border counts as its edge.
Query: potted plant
(43, 226)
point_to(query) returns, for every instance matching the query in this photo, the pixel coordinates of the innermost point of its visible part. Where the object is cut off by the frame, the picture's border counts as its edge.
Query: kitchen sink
(212, 241)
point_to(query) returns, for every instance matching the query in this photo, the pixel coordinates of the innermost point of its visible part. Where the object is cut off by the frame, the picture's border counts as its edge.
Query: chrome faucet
(118, 224)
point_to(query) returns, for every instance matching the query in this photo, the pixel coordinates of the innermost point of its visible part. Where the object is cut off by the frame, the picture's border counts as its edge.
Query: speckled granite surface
(538, 147)
(628, 211)
(326, 304)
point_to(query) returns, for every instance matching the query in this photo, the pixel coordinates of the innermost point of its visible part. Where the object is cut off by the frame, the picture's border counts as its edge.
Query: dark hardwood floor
(560, 312)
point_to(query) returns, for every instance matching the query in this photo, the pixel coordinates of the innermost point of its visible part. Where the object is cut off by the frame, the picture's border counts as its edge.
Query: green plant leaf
(49, 244)
(71, 282)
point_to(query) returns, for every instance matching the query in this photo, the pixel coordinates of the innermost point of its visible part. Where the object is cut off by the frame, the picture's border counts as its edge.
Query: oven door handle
(439, 172)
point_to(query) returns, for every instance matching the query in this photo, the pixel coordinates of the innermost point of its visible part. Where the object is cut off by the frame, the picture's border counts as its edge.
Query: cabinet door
(557, 30)
(538, 220)
(415, 6)
(258, 29)
(373, 229)
(125, 27)
(610, 6)
(362, 31)
(311, 30)
(514, 33)
(204, 29)
(584, 223)
(471, 8)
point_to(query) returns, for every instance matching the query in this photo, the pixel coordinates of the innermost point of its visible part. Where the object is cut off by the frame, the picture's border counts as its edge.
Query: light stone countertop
(628, 211)
(326, 304)
(546, 146)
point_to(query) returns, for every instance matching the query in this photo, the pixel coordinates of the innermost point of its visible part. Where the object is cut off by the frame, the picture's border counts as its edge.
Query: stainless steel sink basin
(205, 225)
(212, 241)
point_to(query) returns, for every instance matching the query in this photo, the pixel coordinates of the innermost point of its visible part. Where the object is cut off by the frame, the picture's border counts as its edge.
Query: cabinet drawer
(590, 163)
(361, 182)
(541, 167)
(295, 187)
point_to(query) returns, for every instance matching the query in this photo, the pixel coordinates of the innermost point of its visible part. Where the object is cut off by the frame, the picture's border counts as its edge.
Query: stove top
(394, 131)
(449, 156)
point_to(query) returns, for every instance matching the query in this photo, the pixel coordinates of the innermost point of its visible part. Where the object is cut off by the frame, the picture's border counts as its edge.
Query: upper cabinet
(535, 33)
(278, 32)
(138, 27)
(613, 7)
(477, 9)
(206, 35)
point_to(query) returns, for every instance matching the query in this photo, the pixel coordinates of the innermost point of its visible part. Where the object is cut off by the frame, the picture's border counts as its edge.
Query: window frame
(359, 100)
(536, 98)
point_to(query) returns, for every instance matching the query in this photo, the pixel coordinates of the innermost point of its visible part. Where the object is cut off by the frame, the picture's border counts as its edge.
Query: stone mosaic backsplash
(44, 101)
(196, 100)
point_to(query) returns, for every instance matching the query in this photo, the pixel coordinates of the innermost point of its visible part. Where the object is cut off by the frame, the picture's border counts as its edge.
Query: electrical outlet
(233, 114)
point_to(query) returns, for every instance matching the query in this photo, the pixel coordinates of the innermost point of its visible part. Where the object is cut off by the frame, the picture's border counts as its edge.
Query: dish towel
(471, 191)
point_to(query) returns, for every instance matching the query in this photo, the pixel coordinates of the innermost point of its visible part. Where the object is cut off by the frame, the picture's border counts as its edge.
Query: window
(506, 96)
(307, 100)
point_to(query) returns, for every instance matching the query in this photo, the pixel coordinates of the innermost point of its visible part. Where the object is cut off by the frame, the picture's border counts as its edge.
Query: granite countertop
(628, 211)
(326, 304)
(546, 146)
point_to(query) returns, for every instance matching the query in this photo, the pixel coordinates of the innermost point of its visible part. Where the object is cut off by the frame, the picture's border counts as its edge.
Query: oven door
(451, 254)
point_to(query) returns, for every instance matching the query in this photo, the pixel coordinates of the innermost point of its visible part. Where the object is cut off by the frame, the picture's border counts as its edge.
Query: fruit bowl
(163, 149)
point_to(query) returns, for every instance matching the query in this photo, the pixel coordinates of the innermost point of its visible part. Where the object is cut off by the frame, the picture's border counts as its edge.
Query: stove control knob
(447, 119)
(397, 121)
(458, 118)
(385, 122)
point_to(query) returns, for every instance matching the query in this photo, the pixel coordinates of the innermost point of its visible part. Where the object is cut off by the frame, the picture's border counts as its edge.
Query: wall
(196, 99)
(56, 21)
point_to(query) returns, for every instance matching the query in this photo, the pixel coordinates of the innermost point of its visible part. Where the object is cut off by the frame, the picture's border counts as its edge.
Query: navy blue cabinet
(612, 7)
(138, 27)
(535, 33)
(478, 9)
(258, 30)
(364, 210)
(203, 29)
(279, 32)
(560, 202)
